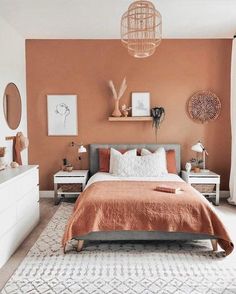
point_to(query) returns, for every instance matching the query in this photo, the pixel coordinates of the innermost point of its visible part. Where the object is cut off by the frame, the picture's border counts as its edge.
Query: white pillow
(115, 155)
(162, 164)
(139, 166)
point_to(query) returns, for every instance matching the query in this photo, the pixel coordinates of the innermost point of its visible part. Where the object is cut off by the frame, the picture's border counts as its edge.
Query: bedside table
(69, 178)
(207, 183)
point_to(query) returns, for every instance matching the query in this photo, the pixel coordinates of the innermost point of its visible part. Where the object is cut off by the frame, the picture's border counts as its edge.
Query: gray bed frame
(137, 235)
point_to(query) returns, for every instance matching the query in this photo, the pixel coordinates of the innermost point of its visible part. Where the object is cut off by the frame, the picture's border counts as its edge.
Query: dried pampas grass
(121, 91)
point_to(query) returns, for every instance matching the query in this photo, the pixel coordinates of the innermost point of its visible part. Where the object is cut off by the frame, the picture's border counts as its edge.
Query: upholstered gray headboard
(94, 160)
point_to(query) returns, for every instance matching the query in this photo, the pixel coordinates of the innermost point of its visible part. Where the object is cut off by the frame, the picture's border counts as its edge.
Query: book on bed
(168, 189)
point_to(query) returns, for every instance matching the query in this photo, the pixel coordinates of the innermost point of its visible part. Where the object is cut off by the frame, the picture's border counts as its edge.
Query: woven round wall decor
(204, 106)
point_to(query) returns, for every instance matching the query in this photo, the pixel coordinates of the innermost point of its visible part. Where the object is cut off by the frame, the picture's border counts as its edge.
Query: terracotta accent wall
(177, 70)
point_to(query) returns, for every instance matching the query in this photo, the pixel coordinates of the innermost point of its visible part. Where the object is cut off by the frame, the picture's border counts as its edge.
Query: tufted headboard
(94, 160)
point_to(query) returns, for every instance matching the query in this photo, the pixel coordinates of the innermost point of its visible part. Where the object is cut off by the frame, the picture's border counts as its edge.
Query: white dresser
(19, 207)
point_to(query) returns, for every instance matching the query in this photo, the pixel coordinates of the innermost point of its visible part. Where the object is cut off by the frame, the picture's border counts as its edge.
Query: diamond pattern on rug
(120, 267)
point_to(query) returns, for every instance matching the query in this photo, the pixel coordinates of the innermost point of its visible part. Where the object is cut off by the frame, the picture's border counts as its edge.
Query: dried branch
(111, 85)
(123, 87)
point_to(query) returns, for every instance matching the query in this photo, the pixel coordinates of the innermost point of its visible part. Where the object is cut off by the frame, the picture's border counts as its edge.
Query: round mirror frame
(12, 118)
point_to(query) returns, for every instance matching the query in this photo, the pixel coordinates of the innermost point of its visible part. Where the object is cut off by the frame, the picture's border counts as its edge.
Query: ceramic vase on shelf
(188, 167)
(116, 111)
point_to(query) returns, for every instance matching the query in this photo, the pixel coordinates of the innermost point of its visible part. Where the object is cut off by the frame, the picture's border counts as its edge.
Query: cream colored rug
(123, 267)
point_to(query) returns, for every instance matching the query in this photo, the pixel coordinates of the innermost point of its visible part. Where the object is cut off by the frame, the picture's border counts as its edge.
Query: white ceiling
(100, 19)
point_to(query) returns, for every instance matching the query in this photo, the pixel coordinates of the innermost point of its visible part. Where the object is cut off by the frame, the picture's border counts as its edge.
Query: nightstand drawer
(196, 180)
(68, 180)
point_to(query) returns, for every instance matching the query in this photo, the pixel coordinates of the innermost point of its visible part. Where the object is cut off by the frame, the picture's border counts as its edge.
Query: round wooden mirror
(12, 106)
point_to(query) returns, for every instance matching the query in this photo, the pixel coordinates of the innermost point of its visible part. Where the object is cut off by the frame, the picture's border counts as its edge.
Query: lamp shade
(82, 149)
(198, 147)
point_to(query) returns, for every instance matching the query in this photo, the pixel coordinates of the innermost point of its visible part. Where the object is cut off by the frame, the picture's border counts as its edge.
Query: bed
(116, 222)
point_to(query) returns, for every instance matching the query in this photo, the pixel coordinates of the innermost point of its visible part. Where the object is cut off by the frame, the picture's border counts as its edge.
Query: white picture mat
(62, 115)
(140, 104)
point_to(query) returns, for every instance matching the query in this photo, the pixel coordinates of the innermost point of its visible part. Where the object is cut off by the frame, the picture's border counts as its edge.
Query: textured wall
(175, 72)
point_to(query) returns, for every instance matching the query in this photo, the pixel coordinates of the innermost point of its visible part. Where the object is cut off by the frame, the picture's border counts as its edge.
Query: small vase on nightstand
(188, 167)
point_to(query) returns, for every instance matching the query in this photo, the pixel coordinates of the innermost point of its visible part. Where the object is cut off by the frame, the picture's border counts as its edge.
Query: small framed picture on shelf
(62, 115)
(140, 104)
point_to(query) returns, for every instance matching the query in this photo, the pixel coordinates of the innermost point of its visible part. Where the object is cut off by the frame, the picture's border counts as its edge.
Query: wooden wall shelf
(130, 118)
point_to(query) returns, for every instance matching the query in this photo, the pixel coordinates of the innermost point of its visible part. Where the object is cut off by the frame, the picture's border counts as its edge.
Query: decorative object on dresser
(141, 29)
(14, 164)
(117, 95)
(72, 183)
(20, 142)
(62, 115)
(125, 110)
(207, 183)
(2, 158)
(199, 148)
(140, 104)
(12, 106)
(204, 106)
(19, 209)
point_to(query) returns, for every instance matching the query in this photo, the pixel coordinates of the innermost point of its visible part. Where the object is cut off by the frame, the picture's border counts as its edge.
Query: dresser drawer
(7, 219)
(25, 184)
(13, 238)
(12, 192)
(8, 196)
(25, 204)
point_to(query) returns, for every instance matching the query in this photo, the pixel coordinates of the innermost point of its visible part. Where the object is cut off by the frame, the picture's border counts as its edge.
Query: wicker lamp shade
(141, 29)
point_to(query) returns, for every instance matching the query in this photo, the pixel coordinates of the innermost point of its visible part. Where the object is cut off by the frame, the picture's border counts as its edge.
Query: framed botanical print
(62, 115)
(140, 104)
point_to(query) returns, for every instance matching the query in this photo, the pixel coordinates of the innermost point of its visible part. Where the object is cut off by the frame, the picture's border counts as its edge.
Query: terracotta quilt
(131, 205)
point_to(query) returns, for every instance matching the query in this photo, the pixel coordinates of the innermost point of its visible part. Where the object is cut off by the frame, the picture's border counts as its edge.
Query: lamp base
(204, 170)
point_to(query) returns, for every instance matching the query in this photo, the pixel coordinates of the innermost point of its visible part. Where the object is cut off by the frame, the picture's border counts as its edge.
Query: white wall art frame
(140, 104)
(62, 115)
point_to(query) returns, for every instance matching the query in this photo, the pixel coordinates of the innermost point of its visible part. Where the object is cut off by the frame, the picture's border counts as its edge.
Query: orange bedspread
(132, 205)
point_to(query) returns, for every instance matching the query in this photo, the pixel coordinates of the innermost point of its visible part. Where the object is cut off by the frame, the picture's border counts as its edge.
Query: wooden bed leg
(80, 245)
(214, 244)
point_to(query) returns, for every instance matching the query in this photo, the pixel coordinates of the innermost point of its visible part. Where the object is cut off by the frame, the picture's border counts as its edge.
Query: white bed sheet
(101, 176)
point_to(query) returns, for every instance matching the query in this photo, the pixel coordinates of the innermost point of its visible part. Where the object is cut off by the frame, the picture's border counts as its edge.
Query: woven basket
(204, 188)
(71, 187)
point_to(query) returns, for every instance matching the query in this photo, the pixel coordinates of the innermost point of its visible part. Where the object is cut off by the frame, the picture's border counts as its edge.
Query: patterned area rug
(120, 267)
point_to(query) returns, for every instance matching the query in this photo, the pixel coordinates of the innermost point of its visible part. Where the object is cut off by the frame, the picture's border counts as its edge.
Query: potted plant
(158, 115)
(196, 164)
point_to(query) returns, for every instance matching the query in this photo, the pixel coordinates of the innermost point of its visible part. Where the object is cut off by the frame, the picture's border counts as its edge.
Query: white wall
(12, 69)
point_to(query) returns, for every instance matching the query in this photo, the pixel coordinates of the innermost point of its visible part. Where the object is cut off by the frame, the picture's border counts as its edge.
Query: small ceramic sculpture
(14, 164)
(188, 167)
(125, 110)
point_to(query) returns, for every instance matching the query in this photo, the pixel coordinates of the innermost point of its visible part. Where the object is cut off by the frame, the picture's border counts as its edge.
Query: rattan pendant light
(141, 29)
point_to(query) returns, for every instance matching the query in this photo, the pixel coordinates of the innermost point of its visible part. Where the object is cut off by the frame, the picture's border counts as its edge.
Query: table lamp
(199, 148)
